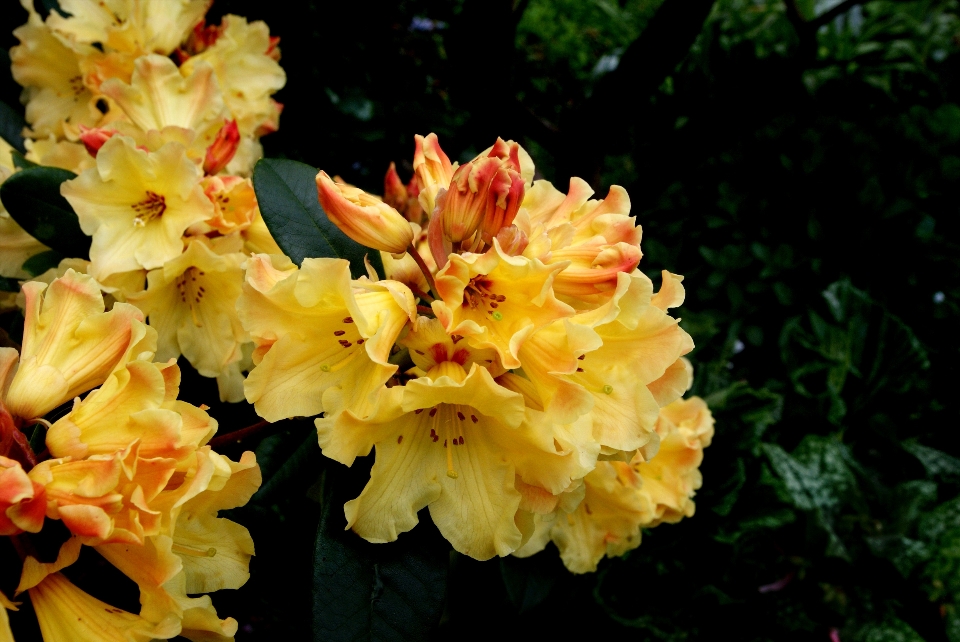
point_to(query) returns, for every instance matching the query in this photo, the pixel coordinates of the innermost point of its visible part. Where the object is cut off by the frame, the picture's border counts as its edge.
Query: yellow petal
(67, 614)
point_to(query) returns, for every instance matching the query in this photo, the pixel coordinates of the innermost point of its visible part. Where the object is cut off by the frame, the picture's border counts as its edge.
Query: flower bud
(512, 240)
(222, 149)
(433, 170)
(94, 138)
(394, 191)
(364, 218)
(484, 194)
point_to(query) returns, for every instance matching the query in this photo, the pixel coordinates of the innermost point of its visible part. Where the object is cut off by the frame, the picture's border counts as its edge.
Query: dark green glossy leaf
(20, 161)
(32, 197)
(287, 194)
(11, 124)
(375, 592)
(40, 263)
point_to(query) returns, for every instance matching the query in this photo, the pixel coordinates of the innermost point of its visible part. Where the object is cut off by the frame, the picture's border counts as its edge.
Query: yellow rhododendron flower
(67, 613)
(137, 205)
(159, 96)
(135, 404)
(496, 300)
(50, 72)
(191, 302)
(671, 478)
(129, 26)
(247, 74)
(607, 521)
(318, 334)
(70, 344)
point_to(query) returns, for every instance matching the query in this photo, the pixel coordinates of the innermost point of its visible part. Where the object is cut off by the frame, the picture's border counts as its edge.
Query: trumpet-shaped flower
(449, 441)
(159, 96)
(607, 521)
(133, 27)
(496, 300)
(50, 71)
(67, 613)
(191, 302)
(671, 478)
(135, 404)
(318, 334)
(70, 344)
(246, 72)
(137, 205)
(364, 218)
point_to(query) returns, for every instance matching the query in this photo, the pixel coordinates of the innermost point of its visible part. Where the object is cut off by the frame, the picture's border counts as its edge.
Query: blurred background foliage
(799, 163)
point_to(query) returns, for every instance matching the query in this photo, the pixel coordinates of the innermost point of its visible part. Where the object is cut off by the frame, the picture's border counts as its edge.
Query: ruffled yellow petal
(70, 344)
(191, 302)
(137, 205)
(67, 614)
(316, 336)
(159, 96)
(246, 73)
(496, 300)
(607, 521)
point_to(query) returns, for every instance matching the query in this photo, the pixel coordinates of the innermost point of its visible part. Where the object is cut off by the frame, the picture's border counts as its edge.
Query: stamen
(193, 552)
(451, 473)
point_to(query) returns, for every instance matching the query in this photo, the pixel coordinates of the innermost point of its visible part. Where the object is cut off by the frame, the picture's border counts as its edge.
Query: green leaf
(40, 263)
(20, 161)
(375, 592)
(287, 194)
(936, 462)
(11, 124)
(32, 197)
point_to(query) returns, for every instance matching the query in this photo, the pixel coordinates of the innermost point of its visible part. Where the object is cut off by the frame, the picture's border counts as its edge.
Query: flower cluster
(127, 470)
(513, 370)
(161, 116)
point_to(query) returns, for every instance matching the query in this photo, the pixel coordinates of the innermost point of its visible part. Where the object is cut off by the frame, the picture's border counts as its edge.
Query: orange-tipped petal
(364, 218)
(223, 148)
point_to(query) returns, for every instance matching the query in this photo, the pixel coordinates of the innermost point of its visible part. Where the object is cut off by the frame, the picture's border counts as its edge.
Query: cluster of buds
(513, 369)
(128, 471)
(161, 116)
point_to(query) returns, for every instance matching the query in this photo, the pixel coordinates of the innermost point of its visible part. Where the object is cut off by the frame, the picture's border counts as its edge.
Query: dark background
(799, 164)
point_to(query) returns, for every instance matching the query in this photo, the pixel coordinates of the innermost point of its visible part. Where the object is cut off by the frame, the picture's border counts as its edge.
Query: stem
(238, 435)
(420, 293)
(423, 268)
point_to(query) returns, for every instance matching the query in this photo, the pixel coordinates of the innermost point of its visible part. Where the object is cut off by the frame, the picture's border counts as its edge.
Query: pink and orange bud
(394, 191)
(94, 138)
(364, 218)
(402, 197)
(23, 504)
(222, 149)
(273, 51)
(432, 169)
(512, 240)
(484, 194)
